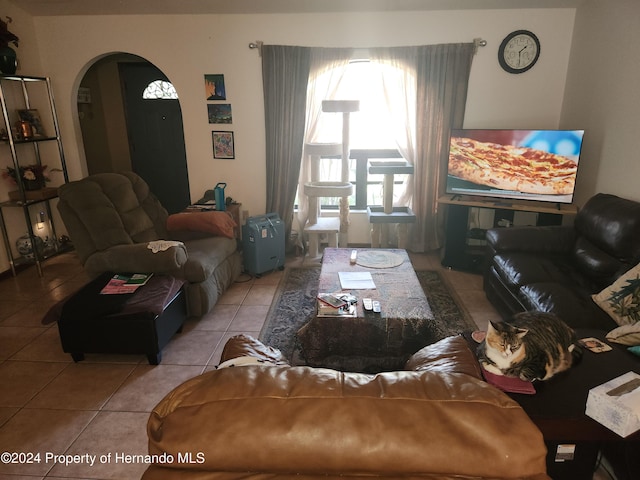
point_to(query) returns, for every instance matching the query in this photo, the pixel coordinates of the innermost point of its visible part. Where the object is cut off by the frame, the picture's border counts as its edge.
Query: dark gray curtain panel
(442, 73)
(285, 75)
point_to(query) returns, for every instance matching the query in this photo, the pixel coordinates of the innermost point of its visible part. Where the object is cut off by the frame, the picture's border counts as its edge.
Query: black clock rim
(503, 45)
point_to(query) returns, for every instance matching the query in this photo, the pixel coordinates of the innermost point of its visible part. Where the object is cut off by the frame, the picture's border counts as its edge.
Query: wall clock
(519, 51)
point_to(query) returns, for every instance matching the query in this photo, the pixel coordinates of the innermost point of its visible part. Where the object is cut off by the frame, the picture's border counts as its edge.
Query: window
(160, 90)
(371, 135)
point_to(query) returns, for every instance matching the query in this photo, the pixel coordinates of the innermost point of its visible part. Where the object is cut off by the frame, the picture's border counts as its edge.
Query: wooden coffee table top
(369, 341)
(397, 288)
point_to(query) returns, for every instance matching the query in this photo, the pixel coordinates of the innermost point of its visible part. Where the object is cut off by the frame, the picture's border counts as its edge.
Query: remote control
(353, 257)
(376, 306)
(367, 304)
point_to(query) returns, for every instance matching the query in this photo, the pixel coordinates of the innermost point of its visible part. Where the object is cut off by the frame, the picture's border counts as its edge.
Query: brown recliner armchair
(112, 217)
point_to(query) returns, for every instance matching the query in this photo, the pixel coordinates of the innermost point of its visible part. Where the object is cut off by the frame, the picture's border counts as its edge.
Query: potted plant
(8, 59)
(31, 176)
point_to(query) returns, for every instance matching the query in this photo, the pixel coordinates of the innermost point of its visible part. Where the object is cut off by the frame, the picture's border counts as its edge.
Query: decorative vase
(25, 247)
(8, 60)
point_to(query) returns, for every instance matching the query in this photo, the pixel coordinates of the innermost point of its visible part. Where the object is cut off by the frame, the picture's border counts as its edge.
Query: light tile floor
(100, 406)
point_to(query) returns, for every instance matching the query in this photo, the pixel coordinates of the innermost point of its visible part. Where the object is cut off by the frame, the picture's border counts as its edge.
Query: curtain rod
(257, 44)
(478, 42)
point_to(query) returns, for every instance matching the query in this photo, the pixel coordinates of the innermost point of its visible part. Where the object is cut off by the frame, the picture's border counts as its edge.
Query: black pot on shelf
(8, 60)
(30, 185)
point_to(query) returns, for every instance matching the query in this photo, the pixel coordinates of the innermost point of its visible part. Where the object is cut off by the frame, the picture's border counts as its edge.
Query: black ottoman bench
(139, 322)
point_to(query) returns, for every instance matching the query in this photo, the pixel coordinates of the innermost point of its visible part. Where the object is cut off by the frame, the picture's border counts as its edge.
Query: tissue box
(616, 404)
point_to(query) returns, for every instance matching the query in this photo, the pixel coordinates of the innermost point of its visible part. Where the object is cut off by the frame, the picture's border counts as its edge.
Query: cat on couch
(531, 346)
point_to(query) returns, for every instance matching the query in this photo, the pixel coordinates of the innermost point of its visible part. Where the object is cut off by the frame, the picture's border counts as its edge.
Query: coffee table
(369, 342)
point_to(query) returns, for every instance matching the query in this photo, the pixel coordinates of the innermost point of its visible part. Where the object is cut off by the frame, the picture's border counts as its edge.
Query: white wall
(602, 95)
(189, 46)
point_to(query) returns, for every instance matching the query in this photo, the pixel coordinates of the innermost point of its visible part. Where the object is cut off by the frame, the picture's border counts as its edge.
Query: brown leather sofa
(557, 268)
(434, 420)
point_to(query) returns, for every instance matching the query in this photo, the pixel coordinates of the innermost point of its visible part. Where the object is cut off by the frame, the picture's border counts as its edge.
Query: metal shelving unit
(22, 93)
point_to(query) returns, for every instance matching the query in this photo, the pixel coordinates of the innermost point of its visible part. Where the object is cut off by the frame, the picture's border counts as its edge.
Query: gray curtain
(443, 76)
(441, 73)
(285, 75)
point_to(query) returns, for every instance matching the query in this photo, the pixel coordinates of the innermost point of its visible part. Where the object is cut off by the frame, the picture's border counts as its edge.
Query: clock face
(519, 51)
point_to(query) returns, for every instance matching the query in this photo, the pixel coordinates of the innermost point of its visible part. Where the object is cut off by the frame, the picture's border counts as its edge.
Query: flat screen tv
(536, 165)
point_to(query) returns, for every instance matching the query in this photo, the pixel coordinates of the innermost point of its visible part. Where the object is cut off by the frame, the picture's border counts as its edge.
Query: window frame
(362, 182)
(169, 92)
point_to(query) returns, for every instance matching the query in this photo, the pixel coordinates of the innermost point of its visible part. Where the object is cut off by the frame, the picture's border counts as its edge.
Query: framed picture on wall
(223, 145)
(219, 112)
(214, 87)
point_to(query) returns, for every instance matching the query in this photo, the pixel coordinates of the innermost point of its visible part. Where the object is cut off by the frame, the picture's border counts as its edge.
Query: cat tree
(346, 107)
(335, 228)
(381, 218)
(318, 225)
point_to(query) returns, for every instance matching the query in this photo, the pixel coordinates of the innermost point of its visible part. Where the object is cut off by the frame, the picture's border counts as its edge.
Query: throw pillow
(626, 334)
(621, 300)
(244, 345)
(244, 361)
(449, 355)
(216, 223)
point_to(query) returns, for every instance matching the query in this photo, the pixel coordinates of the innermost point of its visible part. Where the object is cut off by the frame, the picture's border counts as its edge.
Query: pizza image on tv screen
(537, 165)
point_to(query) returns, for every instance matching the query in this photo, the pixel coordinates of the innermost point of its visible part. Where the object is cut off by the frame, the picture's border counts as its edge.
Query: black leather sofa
(557, 268)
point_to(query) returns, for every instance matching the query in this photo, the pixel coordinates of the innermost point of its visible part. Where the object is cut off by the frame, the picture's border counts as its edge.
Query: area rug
(294, 305)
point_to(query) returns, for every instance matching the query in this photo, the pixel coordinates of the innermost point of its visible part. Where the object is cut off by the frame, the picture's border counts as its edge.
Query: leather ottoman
(141, 322)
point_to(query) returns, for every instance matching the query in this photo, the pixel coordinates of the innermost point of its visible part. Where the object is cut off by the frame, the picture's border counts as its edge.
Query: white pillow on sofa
(626, 334)
(621, 300)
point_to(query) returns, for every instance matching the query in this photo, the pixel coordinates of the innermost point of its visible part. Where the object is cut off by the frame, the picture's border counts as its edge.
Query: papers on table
(356, 281)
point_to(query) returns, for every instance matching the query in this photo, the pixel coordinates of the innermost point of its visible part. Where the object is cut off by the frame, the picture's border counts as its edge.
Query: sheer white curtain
(426, 92)
(398, 79)
(327, 68)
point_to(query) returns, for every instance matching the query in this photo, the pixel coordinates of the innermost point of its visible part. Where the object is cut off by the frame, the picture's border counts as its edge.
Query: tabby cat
(531, 346)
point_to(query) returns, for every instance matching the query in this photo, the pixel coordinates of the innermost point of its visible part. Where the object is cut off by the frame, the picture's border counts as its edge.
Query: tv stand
(459, 251)
(517, 205)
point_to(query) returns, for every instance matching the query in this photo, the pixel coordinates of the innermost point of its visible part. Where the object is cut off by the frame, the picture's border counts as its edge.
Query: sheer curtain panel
(326, 70)
(426, 94)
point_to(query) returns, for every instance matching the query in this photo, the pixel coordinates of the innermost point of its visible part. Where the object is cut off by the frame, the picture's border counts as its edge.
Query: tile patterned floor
(100, 406)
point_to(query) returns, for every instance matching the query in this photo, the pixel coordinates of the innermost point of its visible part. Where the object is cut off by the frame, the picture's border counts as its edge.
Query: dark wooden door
(156, 137)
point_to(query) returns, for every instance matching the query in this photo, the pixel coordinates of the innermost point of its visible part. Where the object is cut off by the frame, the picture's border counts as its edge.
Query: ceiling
(130, 7)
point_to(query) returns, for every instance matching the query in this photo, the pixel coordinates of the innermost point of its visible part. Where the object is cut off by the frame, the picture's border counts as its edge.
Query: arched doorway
(130, 119)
